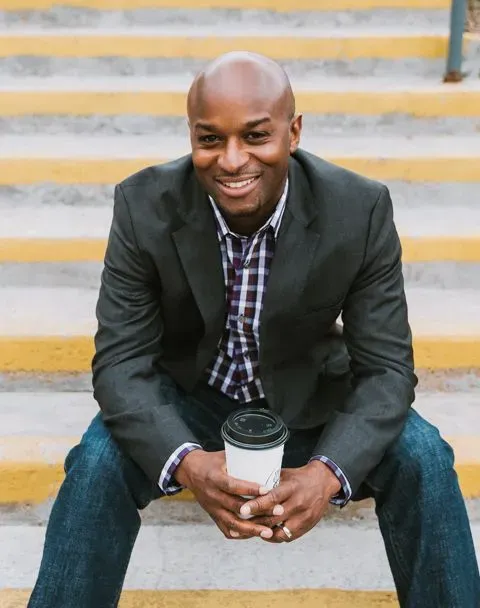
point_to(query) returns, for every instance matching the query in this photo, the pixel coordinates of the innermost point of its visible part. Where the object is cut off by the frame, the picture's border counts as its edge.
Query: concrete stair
(92, 90)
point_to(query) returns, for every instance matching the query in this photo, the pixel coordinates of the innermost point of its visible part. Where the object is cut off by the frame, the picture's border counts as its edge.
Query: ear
(295, 132)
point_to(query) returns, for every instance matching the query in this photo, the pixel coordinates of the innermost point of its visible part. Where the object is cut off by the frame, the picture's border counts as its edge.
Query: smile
(238, 188)
(238, 184)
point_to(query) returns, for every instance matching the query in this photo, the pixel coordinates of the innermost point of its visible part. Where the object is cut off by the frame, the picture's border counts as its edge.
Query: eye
(208, 139)
(256, 135)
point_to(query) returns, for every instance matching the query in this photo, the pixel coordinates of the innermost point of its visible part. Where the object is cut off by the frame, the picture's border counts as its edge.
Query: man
(224, 276)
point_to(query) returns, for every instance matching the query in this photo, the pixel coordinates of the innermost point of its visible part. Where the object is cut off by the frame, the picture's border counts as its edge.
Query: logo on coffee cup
(273, 479)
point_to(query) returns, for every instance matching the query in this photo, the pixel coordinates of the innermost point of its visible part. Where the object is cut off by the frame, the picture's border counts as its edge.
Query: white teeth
(238, 184)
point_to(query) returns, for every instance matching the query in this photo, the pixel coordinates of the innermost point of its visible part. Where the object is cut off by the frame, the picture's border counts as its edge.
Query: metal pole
(455, 46)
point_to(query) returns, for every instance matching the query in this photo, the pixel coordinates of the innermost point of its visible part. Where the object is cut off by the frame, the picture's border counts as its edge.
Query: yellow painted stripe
(440, 352)
(209, 47)
(29, 474)
(445, 101)
(273, 5)
(51, 354)
(46, 354)
(307, 598)
(24, 171)
(32, 250)
(435, 249)
(52, 250)
(31, 468)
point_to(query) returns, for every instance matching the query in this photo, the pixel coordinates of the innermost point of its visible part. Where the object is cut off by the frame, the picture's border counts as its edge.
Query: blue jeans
(95, 521)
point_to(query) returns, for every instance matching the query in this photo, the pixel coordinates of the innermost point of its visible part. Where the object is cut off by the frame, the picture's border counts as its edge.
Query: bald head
(242, 76)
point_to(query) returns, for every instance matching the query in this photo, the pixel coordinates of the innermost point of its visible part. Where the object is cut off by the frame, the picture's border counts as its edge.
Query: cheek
(203, 159)
(275, 153)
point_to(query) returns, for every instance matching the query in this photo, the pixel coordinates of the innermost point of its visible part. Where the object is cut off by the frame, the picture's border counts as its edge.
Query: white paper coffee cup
(254, 444)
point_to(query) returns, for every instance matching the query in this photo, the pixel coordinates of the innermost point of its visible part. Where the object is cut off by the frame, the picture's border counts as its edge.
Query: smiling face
(242, 133)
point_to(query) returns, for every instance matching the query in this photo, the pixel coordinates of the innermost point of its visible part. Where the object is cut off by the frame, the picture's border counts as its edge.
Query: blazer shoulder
(338, 182)
(166, 177)
(156, 192)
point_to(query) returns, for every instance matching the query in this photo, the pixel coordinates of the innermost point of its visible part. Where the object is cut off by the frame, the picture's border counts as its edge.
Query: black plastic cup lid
(255, 429)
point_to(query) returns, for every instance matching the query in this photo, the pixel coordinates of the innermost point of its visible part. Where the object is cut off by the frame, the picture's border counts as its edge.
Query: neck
(246, 226)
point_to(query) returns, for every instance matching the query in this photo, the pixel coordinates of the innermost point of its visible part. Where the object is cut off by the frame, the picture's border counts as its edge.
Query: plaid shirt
(235, 369)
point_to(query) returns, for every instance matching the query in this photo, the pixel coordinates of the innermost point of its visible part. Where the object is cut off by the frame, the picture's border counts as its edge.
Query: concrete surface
(86, 275)
(59, 17)
(317, 125)
(164, 146)
(436, 196)
(412, 88)
(62, 414)
(60, 221)
(194, 557)
(385, 31)
(17, 66)
(276, 5)
(174, 512)
(46, 311)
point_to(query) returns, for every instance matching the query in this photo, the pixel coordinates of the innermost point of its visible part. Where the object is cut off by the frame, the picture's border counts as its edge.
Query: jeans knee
(420, 451)
(97, 464)
(96, 457)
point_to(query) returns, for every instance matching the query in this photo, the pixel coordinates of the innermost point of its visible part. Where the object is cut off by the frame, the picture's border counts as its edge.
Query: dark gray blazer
(161, 310)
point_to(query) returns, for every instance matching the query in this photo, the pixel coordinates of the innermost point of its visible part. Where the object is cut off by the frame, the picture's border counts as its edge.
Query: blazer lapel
(197, 245)
(294, 252)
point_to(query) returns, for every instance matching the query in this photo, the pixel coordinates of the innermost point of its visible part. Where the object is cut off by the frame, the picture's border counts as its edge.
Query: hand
(205, 474)
(299, 501)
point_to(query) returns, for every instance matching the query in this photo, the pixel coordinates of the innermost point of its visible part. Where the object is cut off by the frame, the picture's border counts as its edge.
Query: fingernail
(245, 510)
(262, 490)
(266, 533)
(234, 534)
(278, 510)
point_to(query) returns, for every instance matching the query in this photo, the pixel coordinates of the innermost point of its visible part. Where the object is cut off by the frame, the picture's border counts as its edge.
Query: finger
(276, 537)
(229, 502)
(264, 505)
(290, 508)
(237, 487)
(268, 521)
(297, 526)
(237, 536)
(231, 534)
(279, 536)
(245, 528)
(228, 532)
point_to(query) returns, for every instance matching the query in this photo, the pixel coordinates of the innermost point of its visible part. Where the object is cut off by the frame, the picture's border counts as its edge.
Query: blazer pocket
(337, 306)
(327, 315)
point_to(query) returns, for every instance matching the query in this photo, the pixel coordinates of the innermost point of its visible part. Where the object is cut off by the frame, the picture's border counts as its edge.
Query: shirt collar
(274, 220)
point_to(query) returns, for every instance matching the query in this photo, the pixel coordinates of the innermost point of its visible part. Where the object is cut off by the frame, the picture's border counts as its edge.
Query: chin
(239, 209)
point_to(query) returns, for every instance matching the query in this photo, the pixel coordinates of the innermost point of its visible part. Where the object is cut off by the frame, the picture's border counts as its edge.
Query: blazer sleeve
(379, 341)
(136, 398)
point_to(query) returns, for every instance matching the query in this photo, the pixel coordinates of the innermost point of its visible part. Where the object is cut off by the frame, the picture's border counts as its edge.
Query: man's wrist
(183, 472)
(333, 485)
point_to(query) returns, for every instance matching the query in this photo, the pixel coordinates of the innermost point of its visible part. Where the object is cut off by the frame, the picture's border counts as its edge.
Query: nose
(233, 157)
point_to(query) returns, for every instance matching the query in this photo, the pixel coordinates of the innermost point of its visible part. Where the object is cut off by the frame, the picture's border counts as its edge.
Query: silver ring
(287, 532)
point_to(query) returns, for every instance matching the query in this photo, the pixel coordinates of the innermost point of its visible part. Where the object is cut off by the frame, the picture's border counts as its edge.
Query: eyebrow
(251, 124)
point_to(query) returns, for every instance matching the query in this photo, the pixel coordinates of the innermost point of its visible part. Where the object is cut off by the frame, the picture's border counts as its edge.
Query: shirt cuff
(167, 481)
(346, 492)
